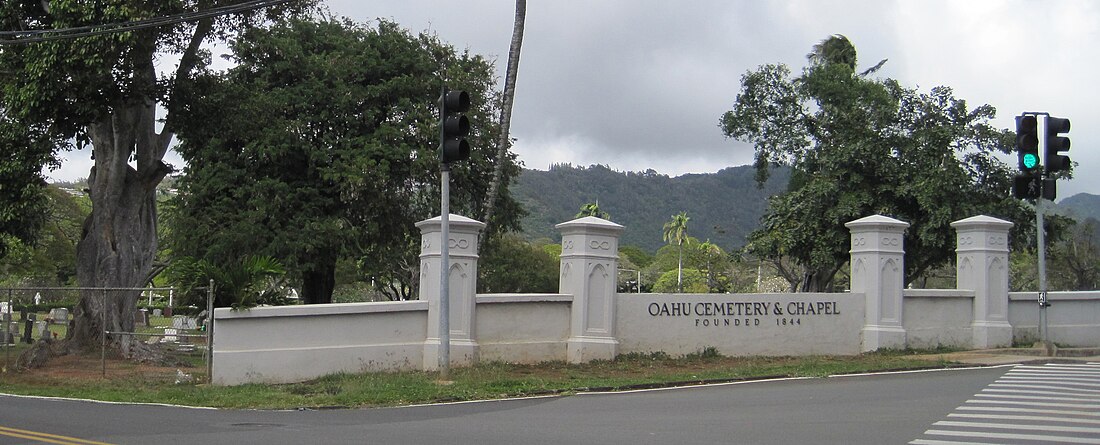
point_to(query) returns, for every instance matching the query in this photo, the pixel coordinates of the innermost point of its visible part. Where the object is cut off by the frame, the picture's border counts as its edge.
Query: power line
(33, 36)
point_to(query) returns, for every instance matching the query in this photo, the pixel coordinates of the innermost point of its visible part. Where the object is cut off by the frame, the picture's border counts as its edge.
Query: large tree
(859, 146)
(321, 144)
(103, 88)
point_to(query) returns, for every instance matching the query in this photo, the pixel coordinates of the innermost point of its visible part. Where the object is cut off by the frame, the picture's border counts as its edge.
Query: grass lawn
(81, 377)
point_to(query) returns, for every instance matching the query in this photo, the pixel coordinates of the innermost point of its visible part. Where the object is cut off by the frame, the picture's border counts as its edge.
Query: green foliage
(637, 255)
(1074, 262)
(23, 198)
(694, 282)
(320, 146)
(860, 146)
(51, 260)
(512, 265)
(592, 209)
(249, 282)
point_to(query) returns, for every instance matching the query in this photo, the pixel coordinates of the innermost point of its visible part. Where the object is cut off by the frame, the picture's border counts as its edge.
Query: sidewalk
(1006, 356)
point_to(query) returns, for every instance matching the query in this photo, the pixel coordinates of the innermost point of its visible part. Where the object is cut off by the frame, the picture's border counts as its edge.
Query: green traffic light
(1030, 160)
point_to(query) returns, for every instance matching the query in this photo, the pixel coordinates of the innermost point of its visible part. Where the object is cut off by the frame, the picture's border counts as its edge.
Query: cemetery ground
(82, 377)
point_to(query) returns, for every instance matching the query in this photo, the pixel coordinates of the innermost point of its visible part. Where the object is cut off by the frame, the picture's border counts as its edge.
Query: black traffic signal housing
(454, 126)
(1027, 143)
(1027, 186)
(1055, 144)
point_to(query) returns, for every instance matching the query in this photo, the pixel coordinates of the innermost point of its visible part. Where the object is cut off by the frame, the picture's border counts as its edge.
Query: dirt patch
(87, 368)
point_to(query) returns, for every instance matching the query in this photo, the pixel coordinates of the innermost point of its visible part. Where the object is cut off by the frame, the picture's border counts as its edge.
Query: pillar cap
(454, 220)
(589, 222)
(981, 221)
(876, 222)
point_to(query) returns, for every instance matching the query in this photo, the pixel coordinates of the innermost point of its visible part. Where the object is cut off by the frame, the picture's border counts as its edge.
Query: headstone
(28, 324)
(4, 308)
(184, 322)
(157, 313)
(170, 335)
(59, 315)
(41, 329)
(141, 317)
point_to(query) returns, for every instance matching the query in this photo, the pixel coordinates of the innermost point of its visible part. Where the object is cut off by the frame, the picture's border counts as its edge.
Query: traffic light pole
(444, 268)
(1043, 304)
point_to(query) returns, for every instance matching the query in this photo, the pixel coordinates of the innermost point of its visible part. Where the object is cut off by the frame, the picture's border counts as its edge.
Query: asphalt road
(879, 409)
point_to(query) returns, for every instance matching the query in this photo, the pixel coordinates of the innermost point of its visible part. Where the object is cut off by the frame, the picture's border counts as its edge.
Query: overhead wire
(43, 35)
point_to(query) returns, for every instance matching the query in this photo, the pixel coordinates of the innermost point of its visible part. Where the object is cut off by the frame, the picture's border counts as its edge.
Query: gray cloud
(639, 84)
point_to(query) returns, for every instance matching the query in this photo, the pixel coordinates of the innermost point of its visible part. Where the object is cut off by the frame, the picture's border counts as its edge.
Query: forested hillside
(1081, 206)
(724, 206)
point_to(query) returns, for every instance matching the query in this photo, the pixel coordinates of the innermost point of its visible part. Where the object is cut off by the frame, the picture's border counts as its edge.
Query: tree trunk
(119, 239)
(318, 283)
(508, 97)
(680, 269)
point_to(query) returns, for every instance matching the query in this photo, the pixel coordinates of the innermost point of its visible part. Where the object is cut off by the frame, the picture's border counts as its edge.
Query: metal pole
(444, 269)
(210, 332)
(1040, 237)
(7, 332)
(103, 347)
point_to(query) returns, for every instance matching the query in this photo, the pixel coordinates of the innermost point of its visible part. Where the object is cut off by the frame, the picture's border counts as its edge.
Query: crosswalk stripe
(1016, 402)
(1067, 381)
(945, 442)
(1061, 387)
(1029, 418)
(1062, 399)
(1049, 393)
(1013, 426)
(1009, 409)
(1042, 437)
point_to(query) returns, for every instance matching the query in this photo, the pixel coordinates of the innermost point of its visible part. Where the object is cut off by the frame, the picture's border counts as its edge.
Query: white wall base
(883, 337)
(586, 349)
(992, 334)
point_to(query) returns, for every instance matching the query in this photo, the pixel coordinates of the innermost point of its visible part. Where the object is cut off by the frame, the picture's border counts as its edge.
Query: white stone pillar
(463, 282)
(878, 271)
(982, 262)
(589, 271)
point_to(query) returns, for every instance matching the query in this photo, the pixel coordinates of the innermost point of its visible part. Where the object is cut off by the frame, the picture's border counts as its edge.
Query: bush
(695, 282)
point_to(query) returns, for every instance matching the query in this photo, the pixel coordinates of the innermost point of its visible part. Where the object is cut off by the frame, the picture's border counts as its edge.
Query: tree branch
(188, 61)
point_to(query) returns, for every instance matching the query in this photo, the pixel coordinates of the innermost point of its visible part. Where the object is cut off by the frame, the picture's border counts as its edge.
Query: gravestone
(157, 313)
(28, 324)
(184, 322)
(42, 329)
(141, 317)
(59, 315)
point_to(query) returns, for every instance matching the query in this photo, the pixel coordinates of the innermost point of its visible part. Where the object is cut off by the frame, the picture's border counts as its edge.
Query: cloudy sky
(641, 84)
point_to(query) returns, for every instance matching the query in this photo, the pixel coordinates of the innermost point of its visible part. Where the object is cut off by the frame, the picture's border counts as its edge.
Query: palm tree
(593, 209)
(507, 97)
(676, 230)
(838, 49)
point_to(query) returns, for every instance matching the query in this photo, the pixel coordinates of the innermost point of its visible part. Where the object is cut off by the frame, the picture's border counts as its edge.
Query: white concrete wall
(527, 328)
(753, 324)
(294, 343)
(938, 317)
(1073, 319)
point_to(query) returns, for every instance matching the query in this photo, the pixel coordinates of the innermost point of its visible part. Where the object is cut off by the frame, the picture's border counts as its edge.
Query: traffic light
(1027, 186)
(1027, 143)
(1055, 144)
(454, 126)
(1050, 189)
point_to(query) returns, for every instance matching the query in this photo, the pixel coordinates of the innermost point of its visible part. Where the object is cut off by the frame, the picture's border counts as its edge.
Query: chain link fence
(170, 339)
